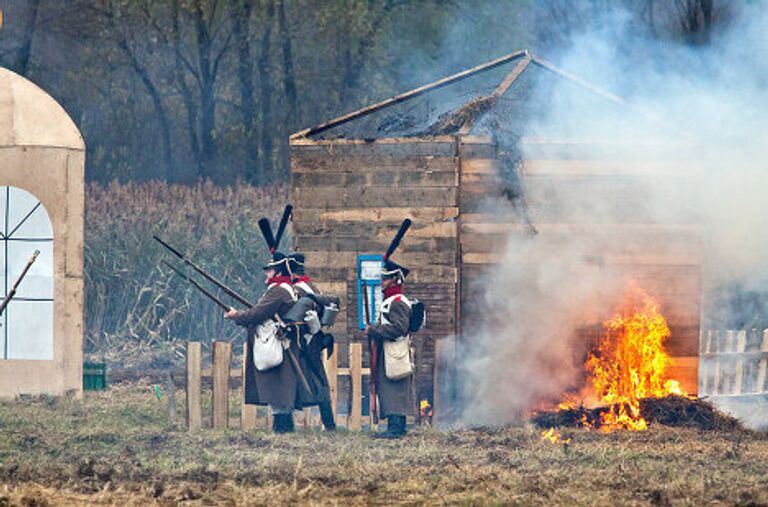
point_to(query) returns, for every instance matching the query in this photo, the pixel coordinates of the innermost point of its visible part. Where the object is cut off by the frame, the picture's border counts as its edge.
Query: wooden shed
(42, 202)
(445, 155)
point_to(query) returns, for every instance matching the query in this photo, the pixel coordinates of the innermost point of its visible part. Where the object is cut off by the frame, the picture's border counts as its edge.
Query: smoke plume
(693, 119)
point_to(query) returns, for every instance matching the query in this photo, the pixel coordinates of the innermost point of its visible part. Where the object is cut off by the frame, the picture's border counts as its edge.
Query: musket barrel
(240, 299)
(198, 286)
(12, 292)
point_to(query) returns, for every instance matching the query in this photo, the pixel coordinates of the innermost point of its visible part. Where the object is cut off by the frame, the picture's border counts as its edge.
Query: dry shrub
(133, 303)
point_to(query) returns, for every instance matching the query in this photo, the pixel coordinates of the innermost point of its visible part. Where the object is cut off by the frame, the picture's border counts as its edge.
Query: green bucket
(94, 376)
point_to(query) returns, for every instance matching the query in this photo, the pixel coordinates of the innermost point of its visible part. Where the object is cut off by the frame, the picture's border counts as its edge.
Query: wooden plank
(194, 386)
(248, 413)
(741, 343)
(436, 85)
(222, 359)
(418, 147)
(332, 197)
(376, 229)
(303, 142)
(402, 178)
(500, 90)
(763, 364)
(372, 244)
(331, 370)
(328, 260)
(704, 365)
(591, 168)
(479, 166)
(726, 369)
(716, 378)
(393, 215)
(608, 149)
(355, 367)
(483, 148)
(651, 260)
(475, 139)
(485, 224)
(419, 274)
(335, 162)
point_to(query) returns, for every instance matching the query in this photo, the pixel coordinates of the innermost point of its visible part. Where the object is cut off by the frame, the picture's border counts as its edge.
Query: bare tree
(241, 28)
(265, 85)
(17, 56)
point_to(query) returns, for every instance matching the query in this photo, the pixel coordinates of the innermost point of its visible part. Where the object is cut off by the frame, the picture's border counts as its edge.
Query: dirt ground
(117, 448)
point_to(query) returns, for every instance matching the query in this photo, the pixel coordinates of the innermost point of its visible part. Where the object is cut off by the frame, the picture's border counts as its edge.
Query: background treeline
(182, 90)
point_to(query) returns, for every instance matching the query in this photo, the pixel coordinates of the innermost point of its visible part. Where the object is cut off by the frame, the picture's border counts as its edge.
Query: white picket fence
(733, 362)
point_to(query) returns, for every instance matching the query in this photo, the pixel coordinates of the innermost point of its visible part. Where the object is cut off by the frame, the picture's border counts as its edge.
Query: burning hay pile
(672, 410)
(628, 376)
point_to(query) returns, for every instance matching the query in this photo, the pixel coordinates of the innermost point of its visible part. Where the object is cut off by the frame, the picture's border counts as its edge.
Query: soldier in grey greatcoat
(395, 396)
(312, 347)
(279, 387)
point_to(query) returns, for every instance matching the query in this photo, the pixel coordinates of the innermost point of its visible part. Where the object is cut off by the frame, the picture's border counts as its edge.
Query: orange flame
(554, 436)
(630, 362)
(425, 409)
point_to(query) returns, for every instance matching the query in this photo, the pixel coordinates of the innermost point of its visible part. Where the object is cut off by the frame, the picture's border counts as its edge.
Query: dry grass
(117, 448)
(135, 307)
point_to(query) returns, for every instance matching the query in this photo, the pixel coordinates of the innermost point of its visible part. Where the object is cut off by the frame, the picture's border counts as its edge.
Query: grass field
(117, 448)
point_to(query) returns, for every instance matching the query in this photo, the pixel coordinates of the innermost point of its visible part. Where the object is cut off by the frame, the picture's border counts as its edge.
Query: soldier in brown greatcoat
(279, 387)
(312, 346)
(395, 396)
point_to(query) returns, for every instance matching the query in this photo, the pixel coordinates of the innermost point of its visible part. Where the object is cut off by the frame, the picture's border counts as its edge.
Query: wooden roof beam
(500, 90)
(409, 95)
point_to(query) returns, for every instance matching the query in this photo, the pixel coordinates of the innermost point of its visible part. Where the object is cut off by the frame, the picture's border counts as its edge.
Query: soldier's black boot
(395, 428)
(326, 415)
(282, 423)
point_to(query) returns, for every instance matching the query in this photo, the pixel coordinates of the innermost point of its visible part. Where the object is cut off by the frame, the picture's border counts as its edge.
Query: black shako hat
(296, 263)
(392, 269)
(279, 263)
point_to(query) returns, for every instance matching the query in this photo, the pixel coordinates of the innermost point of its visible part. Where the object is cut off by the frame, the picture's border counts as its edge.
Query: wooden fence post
(763, 363)
(728, 362)
(741, 345)
(332, 370)
(194, 408)
(705, 362)
(247, 412)
(716, 377)
(222, 359)
(355, 372)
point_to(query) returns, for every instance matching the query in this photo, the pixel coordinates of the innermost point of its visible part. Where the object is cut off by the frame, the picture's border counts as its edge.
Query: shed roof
(31, 117)
(452, 105)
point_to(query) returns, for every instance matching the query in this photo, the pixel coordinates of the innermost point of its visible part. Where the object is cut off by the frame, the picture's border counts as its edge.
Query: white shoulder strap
(391, 299)
(305, 287)
(290, 290)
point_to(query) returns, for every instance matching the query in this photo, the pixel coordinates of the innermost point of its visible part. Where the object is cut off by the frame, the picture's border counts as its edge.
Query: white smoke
(698, 119)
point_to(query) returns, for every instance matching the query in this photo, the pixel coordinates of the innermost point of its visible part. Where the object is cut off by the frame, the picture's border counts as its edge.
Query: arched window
(27, 323)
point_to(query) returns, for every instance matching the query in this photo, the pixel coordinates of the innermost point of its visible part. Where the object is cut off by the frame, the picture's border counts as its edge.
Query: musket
(225, 307)
(240, 299)
(18, 281)
(373, 409)
(202, 289)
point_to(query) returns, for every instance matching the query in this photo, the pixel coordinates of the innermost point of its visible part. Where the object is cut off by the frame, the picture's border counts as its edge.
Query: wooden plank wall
(350, 196)
(663, 258)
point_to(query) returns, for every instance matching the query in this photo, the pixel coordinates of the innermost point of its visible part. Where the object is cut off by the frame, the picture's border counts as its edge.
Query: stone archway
(42, 191)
